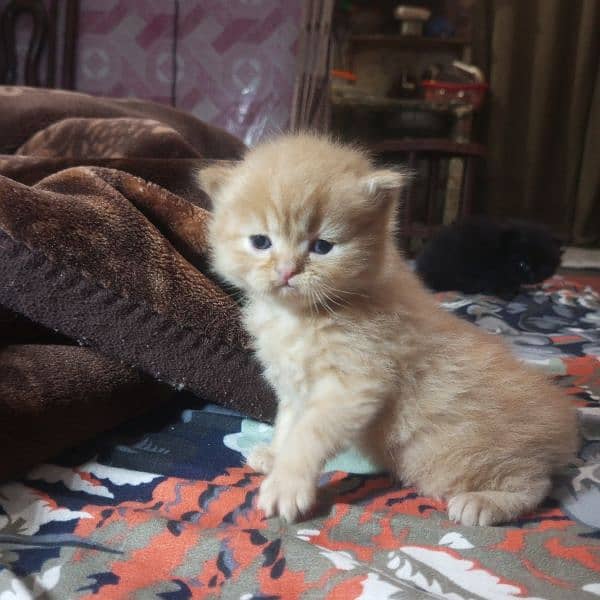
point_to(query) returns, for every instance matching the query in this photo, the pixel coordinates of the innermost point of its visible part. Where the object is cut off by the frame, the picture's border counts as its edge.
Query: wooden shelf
(362, 100)
(425, 145)
(409, 42)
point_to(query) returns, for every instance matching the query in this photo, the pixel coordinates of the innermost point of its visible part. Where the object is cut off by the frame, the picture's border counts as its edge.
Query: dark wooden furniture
(61, 16)
(429, 157)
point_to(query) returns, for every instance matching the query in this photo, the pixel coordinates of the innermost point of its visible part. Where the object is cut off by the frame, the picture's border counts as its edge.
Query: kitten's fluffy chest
(293, 349)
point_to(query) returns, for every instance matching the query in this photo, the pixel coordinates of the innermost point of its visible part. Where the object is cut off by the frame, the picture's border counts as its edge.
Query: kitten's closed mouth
(287, 289)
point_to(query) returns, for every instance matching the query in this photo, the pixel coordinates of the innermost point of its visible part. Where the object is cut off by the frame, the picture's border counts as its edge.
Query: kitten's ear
(384, 180)
(213, 178)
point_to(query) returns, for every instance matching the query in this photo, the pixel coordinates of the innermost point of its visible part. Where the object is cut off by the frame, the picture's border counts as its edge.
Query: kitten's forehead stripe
(292, 220)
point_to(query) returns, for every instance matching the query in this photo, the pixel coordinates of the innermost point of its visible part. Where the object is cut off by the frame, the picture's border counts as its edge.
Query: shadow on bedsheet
(178, 440)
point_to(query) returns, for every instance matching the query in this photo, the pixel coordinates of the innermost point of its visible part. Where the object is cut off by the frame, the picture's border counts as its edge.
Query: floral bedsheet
(164, 507)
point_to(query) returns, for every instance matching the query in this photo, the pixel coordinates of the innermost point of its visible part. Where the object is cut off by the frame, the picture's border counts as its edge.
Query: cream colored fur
(359, 353)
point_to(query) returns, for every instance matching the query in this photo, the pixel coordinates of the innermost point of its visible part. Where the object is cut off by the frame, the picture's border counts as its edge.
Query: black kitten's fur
(480, 255)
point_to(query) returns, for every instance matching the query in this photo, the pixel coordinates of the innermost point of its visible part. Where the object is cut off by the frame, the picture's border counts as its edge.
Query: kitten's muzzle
(285, 272)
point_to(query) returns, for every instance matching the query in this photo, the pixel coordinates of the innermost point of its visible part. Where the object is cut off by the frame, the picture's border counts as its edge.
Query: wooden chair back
(424, 196)
(42, 43)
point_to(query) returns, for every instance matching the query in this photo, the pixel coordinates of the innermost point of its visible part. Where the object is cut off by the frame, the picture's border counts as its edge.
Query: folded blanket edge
(145, 339)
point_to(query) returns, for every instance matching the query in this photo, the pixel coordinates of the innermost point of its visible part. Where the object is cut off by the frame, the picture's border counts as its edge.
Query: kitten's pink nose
(286, 271)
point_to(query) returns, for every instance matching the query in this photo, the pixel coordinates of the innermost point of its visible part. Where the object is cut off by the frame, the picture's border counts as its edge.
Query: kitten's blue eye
(260, 242)
(321, 246)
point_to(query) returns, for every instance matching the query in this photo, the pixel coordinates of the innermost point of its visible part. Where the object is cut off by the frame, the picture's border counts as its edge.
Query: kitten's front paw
(286, 495)
(261, 459)
(474, 508)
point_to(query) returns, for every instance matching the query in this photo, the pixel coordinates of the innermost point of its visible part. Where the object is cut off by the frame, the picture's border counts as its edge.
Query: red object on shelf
(470, 93)
(346, 75)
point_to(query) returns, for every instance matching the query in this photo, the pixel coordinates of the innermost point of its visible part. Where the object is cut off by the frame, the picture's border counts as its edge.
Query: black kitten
(480, 255)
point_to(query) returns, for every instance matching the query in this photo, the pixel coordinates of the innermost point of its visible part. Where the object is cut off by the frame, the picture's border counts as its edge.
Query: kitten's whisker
(333, 299)
(325, 299)
(316, 301)
(313, 303)
(345, 292)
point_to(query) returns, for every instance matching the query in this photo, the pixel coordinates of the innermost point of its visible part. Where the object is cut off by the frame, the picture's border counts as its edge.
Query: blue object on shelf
(439, 27)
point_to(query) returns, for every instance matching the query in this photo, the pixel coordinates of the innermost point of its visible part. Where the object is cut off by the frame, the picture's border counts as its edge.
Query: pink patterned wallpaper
(235, 58)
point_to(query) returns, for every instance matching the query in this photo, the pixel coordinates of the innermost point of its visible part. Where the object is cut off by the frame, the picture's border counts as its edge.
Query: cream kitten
(359, 353)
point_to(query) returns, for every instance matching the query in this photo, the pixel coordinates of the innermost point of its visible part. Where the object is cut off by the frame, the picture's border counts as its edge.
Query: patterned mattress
(164, 507)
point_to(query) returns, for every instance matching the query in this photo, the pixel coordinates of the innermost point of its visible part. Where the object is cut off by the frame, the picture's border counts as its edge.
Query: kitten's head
(301, 219)
(533, 254)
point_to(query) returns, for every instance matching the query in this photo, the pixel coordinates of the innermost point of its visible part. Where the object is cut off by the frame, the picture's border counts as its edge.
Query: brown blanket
(106, 303)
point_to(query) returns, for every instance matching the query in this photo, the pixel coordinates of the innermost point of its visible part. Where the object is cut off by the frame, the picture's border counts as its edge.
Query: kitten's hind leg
(487, 507)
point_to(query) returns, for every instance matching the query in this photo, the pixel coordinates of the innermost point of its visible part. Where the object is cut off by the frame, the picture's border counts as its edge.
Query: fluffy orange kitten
(358, 352)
